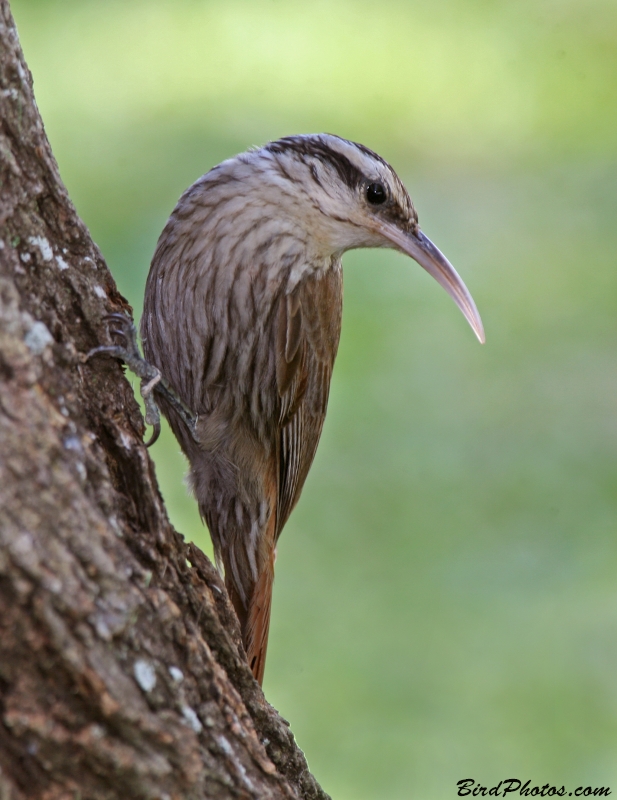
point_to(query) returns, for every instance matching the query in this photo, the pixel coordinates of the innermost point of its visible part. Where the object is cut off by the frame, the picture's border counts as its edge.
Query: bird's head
(349, 197)
(318, 195)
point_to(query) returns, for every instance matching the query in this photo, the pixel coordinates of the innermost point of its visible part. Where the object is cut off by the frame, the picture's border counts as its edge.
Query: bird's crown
(340, 167)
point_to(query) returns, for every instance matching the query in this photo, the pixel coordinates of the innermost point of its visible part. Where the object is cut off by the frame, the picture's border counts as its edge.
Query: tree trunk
(122, 674)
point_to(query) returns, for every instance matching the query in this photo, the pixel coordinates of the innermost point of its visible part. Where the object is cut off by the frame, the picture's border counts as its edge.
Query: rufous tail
(257, 626)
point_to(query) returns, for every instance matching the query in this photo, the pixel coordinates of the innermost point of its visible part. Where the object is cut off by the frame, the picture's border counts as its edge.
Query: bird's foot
(127, 350)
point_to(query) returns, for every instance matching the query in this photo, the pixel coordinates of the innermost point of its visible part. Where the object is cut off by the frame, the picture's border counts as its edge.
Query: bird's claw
(152, 415)
(128, 352)
(127, 349)
(156, 432)
(151, 378)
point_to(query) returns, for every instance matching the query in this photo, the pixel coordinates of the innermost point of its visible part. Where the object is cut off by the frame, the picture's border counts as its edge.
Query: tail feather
(257, 626)
(249, 577)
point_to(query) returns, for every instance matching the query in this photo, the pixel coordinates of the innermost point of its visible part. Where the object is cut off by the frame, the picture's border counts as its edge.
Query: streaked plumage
(242, 316)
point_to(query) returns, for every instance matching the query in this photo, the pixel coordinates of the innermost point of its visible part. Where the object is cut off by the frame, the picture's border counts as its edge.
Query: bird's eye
(376, 194)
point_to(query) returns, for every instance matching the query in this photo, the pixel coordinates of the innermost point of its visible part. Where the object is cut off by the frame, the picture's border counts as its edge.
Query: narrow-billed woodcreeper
(242, 317)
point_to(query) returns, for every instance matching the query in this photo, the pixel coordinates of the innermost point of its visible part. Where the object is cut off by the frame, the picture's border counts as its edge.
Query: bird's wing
(308, 330)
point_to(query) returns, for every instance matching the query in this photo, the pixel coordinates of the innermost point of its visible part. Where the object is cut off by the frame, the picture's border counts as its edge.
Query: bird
(242, 317)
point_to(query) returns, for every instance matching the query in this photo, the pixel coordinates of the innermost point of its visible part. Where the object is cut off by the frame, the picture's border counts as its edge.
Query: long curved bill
(430, 258)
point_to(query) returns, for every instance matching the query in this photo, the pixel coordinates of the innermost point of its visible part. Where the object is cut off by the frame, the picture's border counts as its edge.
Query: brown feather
(304, 402)
(257, 627)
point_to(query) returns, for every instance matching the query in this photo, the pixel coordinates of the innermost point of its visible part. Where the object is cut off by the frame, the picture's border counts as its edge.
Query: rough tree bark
(122, 674)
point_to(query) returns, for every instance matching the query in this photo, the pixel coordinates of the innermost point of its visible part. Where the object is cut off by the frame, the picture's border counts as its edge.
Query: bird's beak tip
(430, 258)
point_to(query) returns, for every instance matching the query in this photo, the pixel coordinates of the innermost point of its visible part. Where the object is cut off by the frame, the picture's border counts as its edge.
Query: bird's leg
(151, 378)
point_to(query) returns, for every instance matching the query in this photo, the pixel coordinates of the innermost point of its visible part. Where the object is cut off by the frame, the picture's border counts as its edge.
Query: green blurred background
(446, 595)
